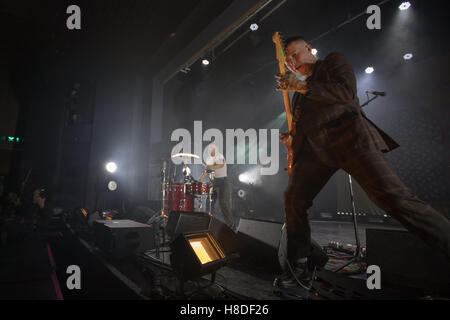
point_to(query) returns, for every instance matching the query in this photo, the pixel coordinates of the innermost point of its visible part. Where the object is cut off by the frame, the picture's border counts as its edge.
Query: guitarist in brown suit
(330, 132)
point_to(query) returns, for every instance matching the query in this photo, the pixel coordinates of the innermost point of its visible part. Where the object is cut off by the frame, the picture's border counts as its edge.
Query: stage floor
(325, 231)
(136, 278)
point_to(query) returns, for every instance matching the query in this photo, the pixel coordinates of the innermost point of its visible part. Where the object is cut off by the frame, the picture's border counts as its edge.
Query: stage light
(244, 178)
(205, 62)
(241, 193)
(369, 70)
(251, 176)
(111, 167)
(405, 5)
(254, 27)
(314, 51)
(196, 254)
(408, 56)
(112, 185)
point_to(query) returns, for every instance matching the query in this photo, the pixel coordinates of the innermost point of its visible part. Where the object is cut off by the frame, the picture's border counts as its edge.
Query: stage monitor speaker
(264, 240)
(267, 232)
(405, 260)
(121, 238)
(184, 221)
(142, 214)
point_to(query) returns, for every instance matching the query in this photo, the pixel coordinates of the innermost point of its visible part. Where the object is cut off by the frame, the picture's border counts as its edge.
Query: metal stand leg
(357, 255)
(158, 220)
(211, 189)
(157, 239)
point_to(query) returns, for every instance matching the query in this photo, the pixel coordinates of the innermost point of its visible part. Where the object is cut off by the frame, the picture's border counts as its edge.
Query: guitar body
(281, 57)
(290, 156)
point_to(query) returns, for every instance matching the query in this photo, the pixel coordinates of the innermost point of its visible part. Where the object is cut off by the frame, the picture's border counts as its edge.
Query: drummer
(216, 163)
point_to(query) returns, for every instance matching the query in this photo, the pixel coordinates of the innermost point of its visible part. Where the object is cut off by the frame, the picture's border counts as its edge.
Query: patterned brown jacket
(329, 115)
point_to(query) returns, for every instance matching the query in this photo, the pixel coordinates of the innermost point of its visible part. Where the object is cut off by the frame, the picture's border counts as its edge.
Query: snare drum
(179, 199)
(199, 188)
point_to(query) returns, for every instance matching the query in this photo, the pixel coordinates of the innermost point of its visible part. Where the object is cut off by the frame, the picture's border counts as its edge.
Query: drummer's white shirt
(218, 159)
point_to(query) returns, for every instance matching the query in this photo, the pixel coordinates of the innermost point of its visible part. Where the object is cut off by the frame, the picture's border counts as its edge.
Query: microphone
(377, 93)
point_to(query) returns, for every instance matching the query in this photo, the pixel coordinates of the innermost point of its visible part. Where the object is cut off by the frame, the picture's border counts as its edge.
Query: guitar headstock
(278, 39)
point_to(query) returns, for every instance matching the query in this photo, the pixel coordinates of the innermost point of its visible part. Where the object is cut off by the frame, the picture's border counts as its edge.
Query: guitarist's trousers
(375, 175)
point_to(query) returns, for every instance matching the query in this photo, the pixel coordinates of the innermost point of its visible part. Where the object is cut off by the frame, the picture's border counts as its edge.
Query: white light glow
(244, 178)
(254, 27)
(252, 176)
(405, 5)
(369, 70)
(408, 56)
(314, 51)
(205, 62)
(111, 167)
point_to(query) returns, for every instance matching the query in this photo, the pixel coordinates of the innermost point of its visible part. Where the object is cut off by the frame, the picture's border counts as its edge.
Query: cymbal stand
(211, 189)
(163, 189)
(158, 220)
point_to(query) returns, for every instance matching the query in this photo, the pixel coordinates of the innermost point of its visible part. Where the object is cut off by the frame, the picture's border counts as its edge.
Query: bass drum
(178, 198)
(198, 188)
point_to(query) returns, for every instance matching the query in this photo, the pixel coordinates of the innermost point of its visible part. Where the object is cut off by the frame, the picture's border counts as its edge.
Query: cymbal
(185, 155)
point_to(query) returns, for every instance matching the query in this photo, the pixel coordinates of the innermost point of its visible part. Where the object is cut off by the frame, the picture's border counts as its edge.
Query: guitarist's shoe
(296, 276)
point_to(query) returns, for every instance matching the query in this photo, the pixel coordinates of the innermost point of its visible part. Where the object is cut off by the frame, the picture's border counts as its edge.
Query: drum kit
(188, 195)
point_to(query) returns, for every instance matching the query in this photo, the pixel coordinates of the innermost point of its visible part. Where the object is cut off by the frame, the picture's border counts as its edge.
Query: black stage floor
(29, 266)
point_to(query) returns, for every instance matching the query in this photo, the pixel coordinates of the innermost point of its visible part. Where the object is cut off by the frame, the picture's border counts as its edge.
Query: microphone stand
(369, 100)
(357, 257)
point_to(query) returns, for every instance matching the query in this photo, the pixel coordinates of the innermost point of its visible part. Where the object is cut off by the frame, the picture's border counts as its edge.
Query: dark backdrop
(237, 91)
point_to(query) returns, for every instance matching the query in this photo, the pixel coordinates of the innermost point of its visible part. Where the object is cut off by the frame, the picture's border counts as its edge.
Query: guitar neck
(287, 103)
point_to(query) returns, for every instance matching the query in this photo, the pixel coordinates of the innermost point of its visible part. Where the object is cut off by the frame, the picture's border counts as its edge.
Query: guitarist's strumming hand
(286, 138)
(290, 82)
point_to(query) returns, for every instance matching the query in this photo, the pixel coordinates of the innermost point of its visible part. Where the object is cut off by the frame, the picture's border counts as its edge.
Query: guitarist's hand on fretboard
(284, 137)
(290, 82)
